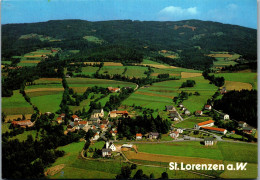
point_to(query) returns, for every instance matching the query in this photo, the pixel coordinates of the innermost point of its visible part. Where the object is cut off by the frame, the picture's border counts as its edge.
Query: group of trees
(188, 83)
(27, 159)
(218, 81)
(128, 127)
(115, 100)
(126, 172)
(240, 105)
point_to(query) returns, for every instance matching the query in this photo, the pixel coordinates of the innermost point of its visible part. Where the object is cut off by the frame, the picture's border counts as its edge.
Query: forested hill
(143, 36)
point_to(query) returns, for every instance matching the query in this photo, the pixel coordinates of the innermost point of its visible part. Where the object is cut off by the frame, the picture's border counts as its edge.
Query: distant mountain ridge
(153, 35)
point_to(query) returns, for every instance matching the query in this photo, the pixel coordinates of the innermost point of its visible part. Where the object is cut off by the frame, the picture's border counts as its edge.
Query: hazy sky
(240, 12)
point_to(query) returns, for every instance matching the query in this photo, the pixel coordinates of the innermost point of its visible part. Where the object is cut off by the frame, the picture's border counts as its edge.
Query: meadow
(81, 84)
(46, 94)
(78, 168)
(93, 39)
(160, 94)
(250, 78)
(189, 123)
(89, 70)
(16, 105)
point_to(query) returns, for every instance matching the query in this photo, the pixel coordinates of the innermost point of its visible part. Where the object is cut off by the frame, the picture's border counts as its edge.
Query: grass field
(88, 82)
(250, 78)
(16, 104)
(23, 136)
(160, 94)
(89, 70)
(93, 39)
(237, 152)
(189, 123)
(46, 94)
(77, 168)
(187, 149)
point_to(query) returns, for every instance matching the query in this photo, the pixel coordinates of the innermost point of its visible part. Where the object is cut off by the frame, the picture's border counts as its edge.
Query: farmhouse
(224, 116)
(97, 113)
(23, 124)
(62, 115)
(83, 125)
(110, 145)
(179, 130)
(106, 152)
(242, 124)
(207, 107)
(209, 141)
(181, 105)
(248, 130)
(115, 113)
(113, 132)
(216, 130)
(208, 123)
(139, 136)
(96, 136)
(198, 113)
(102, 127)
(75, 117)
(174, 134)
(70, 128)
(111, 89)
(59, 120)
(187, 112)
(169, 108)
(153, 135)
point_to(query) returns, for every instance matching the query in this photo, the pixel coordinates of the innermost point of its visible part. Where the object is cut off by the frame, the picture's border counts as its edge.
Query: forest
(133, 38)
(240, 105)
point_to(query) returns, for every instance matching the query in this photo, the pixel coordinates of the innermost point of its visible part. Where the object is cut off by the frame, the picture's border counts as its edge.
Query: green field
(93, 39)
(111, 70)
(23, 136)
(47, 103)
(89, 70)
(238, 152)
(250, 78)
(189, 123)
(47, 97)
(160, 94)
(77, 168)
(88, 82)
(16, 104)
(189, 149)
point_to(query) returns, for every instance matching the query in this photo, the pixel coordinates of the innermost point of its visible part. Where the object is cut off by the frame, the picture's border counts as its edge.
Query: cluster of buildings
(207, 125)
(151, 135)
(22, 124)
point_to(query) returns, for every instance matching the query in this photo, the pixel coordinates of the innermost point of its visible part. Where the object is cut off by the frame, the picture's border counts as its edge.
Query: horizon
(233, 12)
(130, 20)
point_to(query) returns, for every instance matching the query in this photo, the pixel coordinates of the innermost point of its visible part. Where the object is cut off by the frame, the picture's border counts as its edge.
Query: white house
(98, 113)
(139, 136)
(209, 141)
(225, 116)
(110, 145)
(242, 124)
(187, 112)
(198, 113)
(153, 135)
(207, 107)
(106, 152)
(96, 136)
(208, 123)
(174, 134)
(75, 117)
(179, 130)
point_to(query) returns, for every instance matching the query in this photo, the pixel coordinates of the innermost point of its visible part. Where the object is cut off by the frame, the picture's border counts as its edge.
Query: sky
(239, 12)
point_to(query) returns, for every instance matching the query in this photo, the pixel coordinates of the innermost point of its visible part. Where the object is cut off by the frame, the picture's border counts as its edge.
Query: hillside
(142, 37)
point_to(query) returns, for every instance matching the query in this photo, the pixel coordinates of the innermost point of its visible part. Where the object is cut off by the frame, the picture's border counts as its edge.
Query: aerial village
(100, 124)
